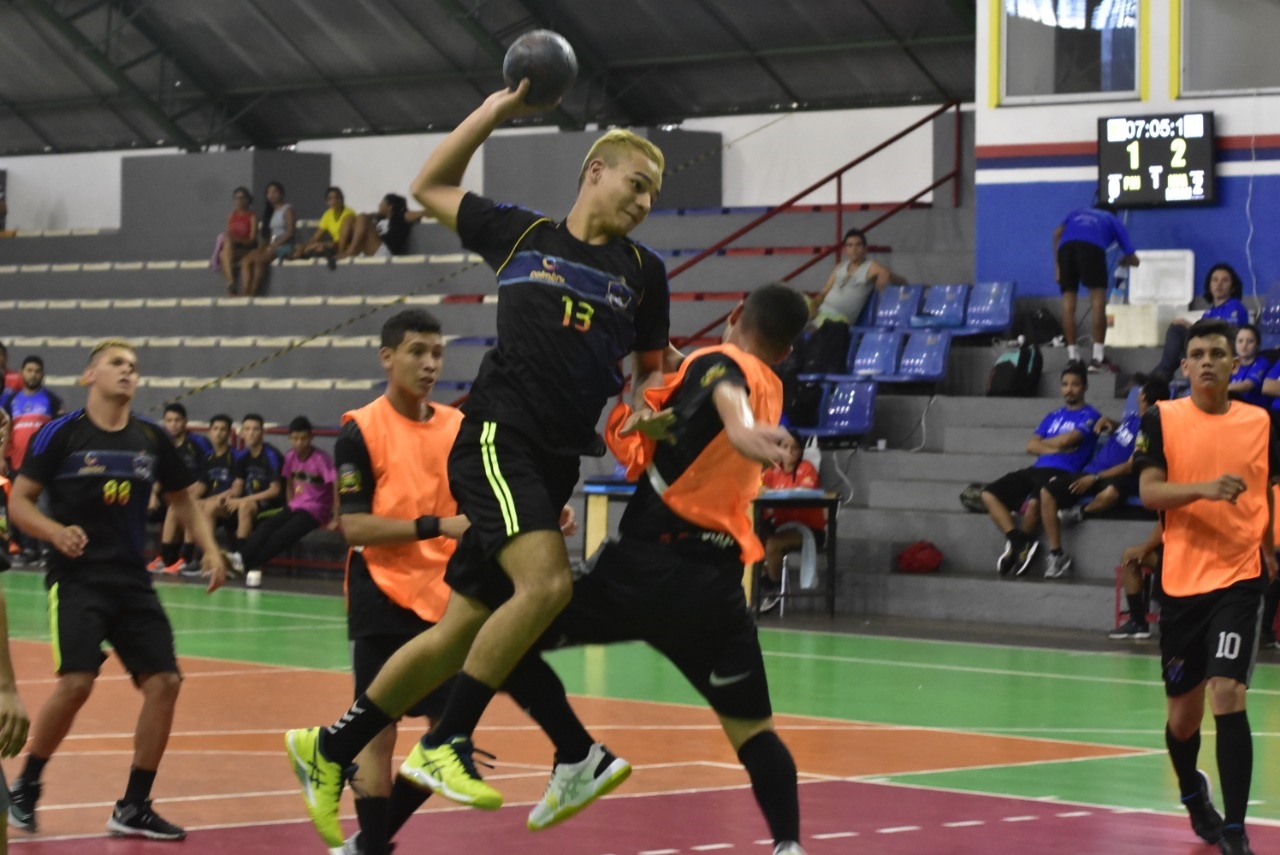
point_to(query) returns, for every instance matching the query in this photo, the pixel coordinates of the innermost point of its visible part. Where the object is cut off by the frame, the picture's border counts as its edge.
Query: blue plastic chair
(898, 305)
(924, 359)
(990, 308)
(848, 409)
(867, 317)
(944, 306)
(877, 354)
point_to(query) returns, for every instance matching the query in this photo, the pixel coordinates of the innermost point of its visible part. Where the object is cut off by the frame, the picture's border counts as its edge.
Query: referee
(1206, 463)
(98, 465)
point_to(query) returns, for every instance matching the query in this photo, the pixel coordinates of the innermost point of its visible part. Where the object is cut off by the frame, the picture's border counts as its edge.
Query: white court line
(266, 671)
(240, 611)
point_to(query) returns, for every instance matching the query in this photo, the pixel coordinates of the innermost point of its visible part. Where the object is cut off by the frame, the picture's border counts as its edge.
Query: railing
(838, 177)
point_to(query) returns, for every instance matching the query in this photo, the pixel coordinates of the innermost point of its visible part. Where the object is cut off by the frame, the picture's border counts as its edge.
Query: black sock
(1235, 765)
(773, 780)
(34, 769)
(138, 790)
(1137, 607)
(169, 553)
(374, 834)
(189, 552)
(467, 702)
(536, 687)
(405, 801)
(1057, 552)
(344, 739)
(1183, 755)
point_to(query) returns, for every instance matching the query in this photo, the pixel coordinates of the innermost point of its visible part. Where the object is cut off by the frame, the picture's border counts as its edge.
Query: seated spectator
(278, 232)
(334, 234)
(794, 473)
(384, 232)
(1080, 244)
(29, 409)
(220, 476)
(193, 450)
(258, 491)
(1222, 290)
(1107, 480)
(240, 238)
(12, 379)
(1132, 561)
(1063, 443)
(311, 487)
(1249, 378)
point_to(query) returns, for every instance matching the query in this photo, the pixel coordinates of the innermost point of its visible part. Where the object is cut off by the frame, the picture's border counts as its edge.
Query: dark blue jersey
(1117, 448)
(259, 471)
(1065, 420)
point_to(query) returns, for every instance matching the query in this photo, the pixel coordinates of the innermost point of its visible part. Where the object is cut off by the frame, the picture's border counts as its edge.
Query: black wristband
(427, 527)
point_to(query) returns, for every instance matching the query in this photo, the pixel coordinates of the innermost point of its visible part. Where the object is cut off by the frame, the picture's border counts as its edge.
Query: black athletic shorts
(88, 606)
(1210, 635)
(691, 610)
(1014, 488)
(369, 654)
(1081, 263)
(505, 485)
(1060, 488)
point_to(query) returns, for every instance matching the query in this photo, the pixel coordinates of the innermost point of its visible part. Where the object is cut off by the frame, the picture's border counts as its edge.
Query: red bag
(920, 557)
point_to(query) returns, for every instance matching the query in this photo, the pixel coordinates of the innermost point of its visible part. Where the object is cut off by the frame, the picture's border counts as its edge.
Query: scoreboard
(1146, 161)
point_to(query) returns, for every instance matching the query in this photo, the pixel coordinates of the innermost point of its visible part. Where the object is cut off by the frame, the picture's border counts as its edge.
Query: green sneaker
(321, 780)
(450, 770)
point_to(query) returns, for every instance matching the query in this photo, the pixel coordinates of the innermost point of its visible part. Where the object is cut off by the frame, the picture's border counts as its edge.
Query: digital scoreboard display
(1146, 161)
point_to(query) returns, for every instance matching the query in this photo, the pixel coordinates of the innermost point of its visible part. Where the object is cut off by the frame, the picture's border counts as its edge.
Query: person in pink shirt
(311, 490)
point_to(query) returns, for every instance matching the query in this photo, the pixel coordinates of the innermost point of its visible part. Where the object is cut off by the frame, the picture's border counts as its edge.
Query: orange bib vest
(410, 466)
(1212, 545)
(719, 486)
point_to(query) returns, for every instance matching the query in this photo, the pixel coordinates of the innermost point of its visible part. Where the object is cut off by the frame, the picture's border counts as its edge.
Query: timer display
(1146, 161)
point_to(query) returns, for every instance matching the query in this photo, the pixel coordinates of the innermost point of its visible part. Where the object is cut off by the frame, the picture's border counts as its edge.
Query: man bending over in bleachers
(1062, 443)
(193, 450)
(1107, 481)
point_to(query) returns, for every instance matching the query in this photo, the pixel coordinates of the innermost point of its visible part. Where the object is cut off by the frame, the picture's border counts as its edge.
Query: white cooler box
(1142, 326)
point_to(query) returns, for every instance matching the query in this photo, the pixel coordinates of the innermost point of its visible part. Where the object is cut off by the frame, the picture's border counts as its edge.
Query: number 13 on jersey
(577, 313)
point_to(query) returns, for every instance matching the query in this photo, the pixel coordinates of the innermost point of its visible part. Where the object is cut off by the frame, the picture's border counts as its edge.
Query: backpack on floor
(1038, 327)
(920, 557)
(1016, 373)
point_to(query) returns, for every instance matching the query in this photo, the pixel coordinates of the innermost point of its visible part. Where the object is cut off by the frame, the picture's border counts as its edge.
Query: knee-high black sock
(375, 837)
(33, 769)
(1183, 755)
(536, 687)
(405, 801)
(344, 739)
(1137, 607)
(188, 552)
(773, 780)
(169, 552)
(467, 702)
(1235, 765)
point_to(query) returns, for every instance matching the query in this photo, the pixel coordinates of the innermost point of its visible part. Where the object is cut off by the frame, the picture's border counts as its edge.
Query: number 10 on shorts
(1228, 645)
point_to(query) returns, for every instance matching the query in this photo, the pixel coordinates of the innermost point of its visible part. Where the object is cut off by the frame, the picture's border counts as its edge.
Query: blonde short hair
(107, 344)
(611, 145)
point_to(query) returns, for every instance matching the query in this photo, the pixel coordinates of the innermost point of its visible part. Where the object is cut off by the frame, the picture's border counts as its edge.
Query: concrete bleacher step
(892, 466)
(986, 439)
(968, 368)
(915, 495)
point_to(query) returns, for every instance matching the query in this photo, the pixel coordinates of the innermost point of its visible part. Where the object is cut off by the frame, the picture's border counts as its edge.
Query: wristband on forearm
(427, 527)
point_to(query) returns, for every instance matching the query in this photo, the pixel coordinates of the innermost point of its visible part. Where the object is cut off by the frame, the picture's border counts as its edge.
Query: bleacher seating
(943, 306)
(990, 309)
(923, 359)
(847, 410)
(877, 354)
(898, 304)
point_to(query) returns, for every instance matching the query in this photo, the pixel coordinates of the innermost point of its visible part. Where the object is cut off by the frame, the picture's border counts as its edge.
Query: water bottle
(1120, 291)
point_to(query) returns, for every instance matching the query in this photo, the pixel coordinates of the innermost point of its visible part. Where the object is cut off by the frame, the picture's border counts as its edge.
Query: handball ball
(547, 59)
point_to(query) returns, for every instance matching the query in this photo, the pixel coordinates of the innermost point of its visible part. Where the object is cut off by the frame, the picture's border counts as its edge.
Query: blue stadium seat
(924, 359)
(1269, 318)
(898, 305)
(944, 306)
(990, 308)
(848, 409)
(867, 317)
(878, 353)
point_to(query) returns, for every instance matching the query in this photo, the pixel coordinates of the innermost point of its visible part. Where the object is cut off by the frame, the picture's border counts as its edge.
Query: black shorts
(91, 605)
(1014, 488)
(692, 611)
(369, 654)
(505, 485)
(1210, 635)
(1060, 488)
(1081, 263)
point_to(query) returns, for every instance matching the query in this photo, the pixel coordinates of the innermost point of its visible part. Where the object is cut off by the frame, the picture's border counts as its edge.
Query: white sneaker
(573, 786)
(790, 847)
(1059, 566)
(253, 579)
(237, 563)
(1071, 516)
(351, 846)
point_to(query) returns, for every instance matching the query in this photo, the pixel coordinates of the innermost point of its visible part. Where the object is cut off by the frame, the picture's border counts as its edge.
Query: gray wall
(181, 201)
(944, 157)
(540, 171)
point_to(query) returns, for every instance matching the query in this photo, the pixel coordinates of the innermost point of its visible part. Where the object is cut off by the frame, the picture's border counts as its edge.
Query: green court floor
(1090, 697)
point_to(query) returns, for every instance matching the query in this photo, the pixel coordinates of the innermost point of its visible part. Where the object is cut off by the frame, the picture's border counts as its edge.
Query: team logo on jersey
(349, 479)
(619, 295)
(1141, 445)
(549, 263)
(548, 272)
(91, 466)
(144, 467)
(716, 372)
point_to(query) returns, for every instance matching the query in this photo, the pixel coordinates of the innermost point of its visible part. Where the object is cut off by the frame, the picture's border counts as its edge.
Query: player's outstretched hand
(656, 426)
(568, 522)
(1225, 489)
(71, 541)
(214, 566)
(14, 723)
(508, 104)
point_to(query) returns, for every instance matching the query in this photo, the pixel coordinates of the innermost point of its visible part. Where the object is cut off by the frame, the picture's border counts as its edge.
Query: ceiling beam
(32, 126)
(910, 54)
(83, 46)
(736, 35)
